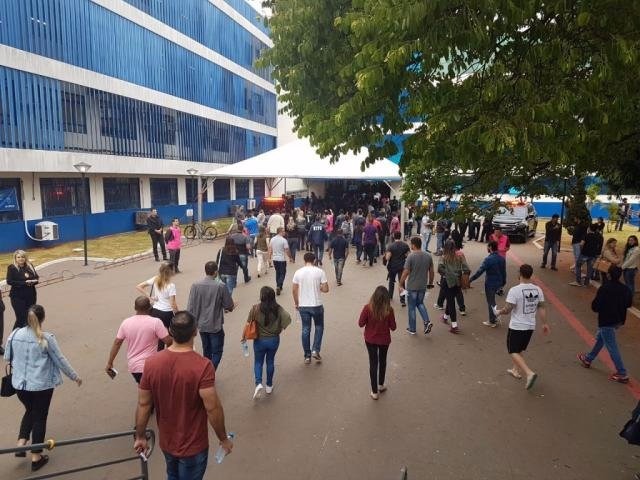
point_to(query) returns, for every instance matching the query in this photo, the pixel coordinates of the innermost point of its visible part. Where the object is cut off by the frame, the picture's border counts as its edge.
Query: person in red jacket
(378, 321)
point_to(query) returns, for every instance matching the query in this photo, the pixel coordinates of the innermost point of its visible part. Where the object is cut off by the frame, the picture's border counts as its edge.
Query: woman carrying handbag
(36, 363)
(608, 259)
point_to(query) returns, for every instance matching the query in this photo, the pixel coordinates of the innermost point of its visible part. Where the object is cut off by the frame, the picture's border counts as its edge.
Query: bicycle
(201, 230)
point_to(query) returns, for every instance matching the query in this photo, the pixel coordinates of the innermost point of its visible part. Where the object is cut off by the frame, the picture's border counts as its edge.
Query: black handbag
(631, 430)
(6, 387)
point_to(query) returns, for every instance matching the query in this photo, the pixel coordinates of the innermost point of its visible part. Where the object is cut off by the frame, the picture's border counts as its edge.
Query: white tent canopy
(299, 159)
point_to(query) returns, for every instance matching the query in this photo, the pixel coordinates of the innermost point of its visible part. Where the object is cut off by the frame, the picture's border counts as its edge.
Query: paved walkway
(451, 411)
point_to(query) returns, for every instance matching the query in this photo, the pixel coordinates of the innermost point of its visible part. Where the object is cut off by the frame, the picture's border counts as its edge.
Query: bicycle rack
(50, 444)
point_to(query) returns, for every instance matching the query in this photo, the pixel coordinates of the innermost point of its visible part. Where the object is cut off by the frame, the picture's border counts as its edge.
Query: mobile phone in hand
(112, 372)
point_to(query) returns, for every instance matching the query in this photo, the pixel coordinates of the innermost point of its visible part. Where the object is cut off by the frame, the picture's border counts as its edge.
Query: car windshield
(517, 211)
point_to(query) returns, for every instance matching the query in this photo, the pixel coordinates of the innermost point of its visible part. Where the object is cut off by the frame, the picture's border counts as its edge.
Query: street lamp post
(195, 173)
(83, 168)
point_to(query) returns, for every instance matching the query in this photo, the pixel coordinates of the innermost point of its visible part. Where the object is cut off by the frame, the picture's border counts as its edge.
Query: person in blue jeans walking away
(552, 232)
(378, 321)
(611, 302)
(308, 284)
(339, 252)
(417, 277)
(271, 319)
(252, 227)
(209, 298)
(590, 249)
(278, 255)
(495, 268)
(180, 384)
(317, 237)
(228, 261)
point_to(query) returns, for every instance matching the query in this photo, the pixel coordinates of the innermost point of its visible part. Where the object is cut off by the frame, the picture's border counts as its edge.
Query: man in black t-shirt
(395, 256)
(552, 232)
(589, 251)
(339, 251)
(154, 227)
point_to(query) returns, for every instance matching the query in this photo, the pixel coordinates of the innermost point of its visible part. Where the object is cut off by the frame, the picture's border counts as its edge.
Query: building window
(74, 114)
(222, 189)
(258, 187)
(164, 191)
(192, 190)
(242, 188)
(117, 117)
(258, 104)
(121, 193)
(168, 129)
(10, 200)
(63, 196)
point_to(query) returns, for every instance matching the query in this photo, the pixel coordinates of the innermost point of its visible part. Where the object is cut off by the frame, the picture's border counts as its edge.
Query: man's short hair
(210, 268)
(615, 272)
(183, 326)
(555, 215)
(416, 242)
(309, 257)
(280, 230)
(142, 304)
(493, 246)
(339, 231)
(526, 271)
(396, 235)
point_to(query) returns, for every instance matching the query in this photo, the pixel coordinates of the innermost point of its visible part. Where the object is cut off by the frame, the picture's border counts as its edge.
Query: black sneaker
(427, 328)
(543, 266)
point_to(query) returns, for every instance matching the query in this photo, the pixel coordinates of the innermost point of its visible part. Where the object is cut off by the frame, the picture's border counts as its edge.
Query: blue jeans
(606, 336)
(306, 314)
(212, 346)
(338, 264)
(576, 247)
(186, 468)
(439, 244)
(293, 247)
(318, 251)
(553, 246)
(490, 294)
(582, 259)
(231, 281)
(629, 276)
(265, 347)
(281, 272)
(252, 241)
(415, 300)
(244, 264)
(426, 239)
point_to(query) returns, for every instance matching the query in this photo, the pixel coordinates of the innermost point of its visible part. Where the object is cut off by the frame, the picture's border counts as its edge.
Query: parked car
(518, 220)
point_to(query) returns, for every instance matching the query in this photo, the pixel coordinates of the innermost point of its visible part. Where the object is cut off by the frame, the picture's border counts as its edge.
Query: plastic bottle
(245, 348)
(221, 452)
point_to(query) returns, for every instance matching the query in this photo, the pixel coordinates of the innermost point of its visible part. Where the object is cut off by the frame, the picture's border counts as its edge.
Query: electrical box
(141, 218)
(47, 231)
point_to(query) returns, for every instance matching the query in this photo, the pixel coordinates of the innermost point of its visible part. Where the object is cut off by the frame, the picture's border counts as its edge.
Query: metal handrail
(51, 444)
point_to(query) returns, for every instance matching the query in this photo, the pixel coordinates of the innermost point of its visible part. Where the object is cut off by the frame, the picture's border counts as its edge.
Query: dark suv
(517, 221)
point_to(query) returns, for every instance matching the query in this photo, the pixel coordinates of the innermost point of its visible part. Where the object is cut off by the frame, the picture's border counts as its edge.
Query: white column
(232, 186)
(251, 180)
(31, 200)
(182, 191)
(96, 192)
(145, 192)
(210, 192)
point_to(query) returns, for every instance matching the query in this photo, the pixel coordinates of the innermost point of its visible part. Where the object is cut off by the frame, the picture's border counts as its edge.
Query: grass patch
(111, 246)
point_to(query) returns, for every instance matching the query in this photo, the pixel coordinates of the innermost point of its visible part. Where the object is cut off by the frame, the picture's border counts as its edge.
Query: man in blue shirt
(251, 224)
(495, 267)
(317, 236)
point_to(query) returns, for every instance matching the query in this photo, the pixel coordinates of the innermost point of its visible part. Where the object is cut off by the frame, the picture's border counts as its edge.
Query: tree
(506, 93)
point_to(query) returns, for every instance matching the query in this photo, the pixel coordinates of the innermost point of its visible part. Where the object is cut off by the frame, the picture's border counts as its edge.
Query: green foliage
(507, 92)
(612, 208)
(577, 211)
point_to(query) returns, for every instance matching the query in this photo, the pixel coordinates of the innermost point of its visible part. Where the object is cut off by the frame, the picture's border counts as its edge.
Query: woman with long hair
(451, 268)
(228, 263)
(272, 319)
(162, 295)
(22, 277)
(262, 250)
(174, 243)
(292, 237)
(630, 263)
(379, 321)
(37, 362)
(610, 253)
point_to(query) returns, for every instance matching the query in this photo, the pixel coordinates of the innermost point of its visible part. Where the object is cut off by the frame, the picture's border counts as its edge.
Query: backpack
(168, 235)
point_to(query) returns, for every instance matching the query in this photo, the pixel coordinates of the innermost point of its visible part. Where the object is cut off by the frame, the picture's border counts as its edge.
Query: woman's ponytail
(34, 321)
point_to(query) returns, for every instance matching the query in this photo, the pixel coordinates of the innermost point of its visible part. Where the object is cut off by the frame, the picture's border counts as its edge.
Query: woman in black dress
(22, 278)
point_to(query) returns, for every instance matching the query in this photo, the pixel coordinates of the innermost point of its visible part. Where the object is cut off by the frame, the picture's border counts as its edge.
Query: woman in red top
(378, 321)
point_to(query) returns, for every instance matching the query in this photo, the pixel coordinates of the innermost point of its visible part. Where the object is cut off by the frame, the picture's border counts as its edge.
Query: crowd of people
(179, 385)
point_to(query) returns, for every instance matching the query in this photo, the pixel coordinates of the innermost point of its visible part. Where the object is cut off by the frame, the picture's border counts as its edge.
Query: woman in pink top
(378, 321)
(503, 241)
(174, 242)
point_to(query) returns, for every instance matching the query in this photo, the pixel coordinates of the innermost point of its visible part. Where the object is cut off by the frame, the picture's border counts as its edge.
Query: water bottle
(245, 348)
(221, 452)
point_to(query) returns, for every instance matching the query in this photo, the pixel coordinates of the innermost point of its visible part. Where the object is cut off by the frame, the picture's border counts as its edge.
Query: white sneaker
(487, 323)
(437, 307)
(268, 389)
(258, 391)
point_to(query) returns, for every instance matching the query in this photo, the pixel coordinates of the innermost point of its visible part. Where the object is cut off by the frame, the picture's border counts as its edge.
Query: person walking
(292, 237)
(451, 268)
(395, 257)
(339, 250)
(252, 227)
(495, 268)
(271, 320)
(22, 278)
(37, 363)
(228, 261)
(174, 243)
(142, 332)
(369, 241)
(578, 233)
(610, 303)
(278, 254)
(441, 226)
(209, 298)
(378, 320)
(524, 302)
(262, 251)
(162, 294)
(243, 245)
(180, 384)
(154, 228)
(2, 308)
(589, 251)
(356, 241)
(426, 232)
(417, 277)
(504, 244)
(610, 254)
(630, 263)
(308, 283)
(275, 222)
(301, 225)
(552, 232)
(318, 236)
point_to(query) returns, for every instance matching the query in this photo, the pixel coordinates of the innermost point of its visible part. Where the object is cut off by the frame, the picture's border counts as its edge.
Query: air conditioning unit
(251, 204)
(47, 231)
(141, 218)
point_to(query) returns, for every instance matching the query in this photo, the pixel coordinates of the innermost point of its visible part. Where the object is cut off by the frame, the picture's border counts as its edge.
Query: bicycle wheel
(190, 232)
(210, 233)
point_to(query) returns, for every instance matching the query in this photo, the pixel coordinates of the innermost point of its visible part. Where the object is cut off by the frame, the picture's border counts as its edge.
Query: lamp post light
(194, 173)
(83, 168)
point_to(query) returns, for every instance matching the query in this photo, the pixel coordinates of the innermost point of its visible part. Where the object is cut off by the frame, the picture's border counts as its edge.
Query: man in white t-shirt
(278, 254)
(275, 222)
(524, 301)
(308, 283)
(427, 229)
(141, 332)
